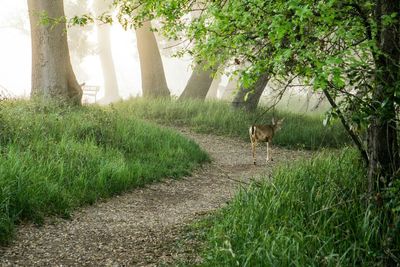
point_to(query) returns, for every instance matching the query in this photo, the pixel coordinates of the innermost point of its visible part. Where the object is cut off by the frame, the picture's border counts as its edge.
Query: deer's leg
(253, 148)
(271, 152)
(267, 151)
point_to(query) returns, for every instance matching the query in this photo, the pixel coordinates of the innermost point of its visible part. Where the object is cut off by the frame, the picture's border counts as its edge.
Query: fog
(15, 54)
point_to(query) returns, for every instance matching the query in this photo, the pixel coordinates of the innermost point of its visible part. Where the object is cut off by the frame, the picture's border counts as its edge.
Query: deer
(263, 133)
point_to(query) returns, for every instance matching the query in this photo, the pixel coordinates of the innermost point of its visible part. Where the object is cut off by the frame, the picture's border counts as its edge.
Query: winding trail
(141, 227)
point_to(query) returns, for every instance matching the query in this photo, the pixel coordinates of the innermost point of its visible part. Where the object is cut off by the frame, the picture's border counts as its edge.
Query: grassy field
(55, 159)
(298, 131)
(313, 213)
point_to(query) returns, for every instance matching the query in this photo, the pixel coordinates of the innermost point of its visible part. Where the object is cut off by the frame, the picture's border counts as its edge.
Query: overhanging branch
(352, 134)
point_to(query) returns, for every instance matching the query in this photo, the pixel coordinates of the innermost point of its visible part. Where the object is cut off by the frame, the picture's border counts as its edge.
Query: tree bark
(356, 139)
(198, 84)
(383, 151)
(107, 63)
(52, 73)
(231, 87)
(213, 91)
(154, 83)
(248, 98)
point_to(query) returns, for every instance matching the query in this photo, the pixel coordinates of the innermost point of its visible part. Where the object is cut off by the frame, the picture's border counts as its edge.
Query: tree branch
(353, 136)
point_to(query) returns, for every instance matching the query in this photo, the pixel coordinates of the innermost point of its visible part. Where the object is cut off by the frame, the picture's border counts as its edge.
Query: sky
(15, 57)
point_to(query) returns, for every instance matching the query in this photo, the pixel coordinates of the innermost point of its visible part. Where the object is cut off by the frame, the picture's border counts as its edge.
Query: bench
(89, 92)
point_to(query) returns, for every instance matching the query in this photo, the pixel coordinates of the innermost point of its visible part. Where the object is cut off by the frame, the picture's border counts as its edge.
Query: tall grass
(312, 214)
(54, 159)
(298, 131)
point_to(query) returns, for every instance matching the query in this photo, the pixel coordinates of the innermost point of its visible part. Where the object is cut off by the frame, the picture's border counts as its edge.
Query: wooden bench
(89, 92)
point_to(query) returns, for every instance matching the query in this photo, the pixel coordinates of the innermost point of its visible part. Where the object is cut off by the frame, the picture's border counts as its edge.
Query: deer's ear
(273, 121)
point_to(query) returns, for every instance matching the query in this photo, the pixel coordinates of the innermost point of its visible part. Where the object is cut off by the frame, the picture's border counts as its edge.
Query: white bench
(89, 92)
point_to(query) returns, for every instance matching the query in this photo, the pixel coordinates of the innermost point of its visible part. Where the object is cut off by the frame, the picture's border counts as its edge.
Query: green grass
(53, 159)
(313, 213)
(298, 131)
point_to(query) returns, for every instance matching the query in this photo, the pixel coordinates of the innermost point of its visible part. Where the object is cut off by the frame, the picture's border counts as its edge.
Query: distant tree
(80, 45)
(104, 50)
(214, 87)
(14, 21)
(154, 83)
(199, 83)
(202, 76)
(52, 73)
(230, 89)
(248, 98)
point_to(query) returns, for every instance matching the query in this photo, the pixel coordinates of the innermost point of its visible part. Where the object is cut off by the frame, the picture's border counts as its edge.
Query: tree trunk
(356, 139)
(248, 98)
(198, 84)
(52, 73)
(214, 87)
(107, 64)
(154, 83)
(383, 151)
(231, 87)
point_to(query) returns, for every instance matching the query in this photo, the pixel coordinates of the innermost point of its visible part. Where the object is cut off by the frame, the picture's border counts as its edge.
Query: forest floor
(145, 226)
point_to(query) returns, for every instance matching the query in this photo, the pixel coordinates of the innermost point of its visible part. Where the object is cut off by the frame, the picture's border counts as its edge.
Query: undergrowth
(314, 213)
(216, 117)
(54, 159)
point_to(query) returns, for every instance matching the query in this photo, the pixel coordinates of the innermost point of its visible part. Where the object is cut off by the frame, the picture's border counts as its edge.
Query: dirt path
(140, 228)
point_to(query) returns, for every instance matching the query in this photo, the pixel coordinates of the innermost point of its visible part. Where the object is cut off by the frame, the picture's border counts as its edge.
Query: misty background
(15, 50)
(15, 69)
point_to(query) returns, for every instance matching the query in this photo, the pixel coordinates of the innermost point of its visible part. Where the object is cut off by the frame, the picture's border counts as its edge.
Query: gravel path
(140, 228)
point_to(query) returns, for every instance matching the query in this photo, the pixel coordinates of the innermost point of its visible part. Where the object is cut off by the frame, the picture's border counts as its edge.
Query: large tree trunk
(107, 64)
(198, 84)
(214, 87)
(154, 83)
(248, 98)
(231, 87)
(383, 151)
(52, 73)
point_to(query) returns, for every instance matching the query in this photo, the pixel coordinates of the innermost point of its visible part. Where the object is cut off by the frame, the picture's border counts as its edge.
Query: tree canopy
(317, 40)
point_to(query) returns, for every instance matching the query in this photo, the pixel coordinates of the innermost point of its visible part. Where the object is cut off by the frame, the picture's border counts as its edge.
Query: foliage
(313, 213)
(347, 49)
(78, 38)
(330, 44)
(298, 131)
(54, 159)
